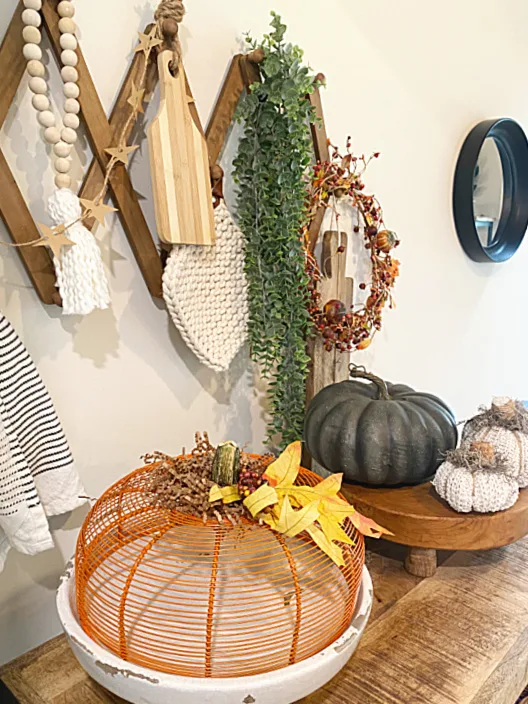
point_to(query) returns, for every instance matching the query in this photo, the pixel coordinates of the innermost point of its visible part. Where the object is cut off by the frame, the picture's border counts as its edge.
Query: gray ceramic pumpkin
(378, 433)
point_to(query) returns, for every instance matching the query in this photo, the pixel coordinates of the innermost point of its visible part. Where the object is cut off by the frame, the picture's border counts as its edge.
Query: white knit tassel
(80, 273)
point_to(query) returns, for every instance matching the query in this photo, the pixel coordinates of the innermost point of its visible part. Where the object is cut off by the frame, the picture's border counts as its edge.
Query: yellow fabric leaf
(332, 529)
(284, 471)
(264, 496)
(303, 495)
(291, 522)
(367, 526)
(215, 494)
(333, 551)
(271, 518)
(330, 486)
(334, 506)
(230, 494)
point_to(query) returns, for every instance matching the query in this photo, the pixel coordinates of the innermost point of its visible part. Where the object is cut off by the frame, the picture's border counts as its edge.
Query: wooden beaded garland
(65, 9)
(40, 102)
(68, 41)
(31, 35)
(52, 135)
(69, 57)
(71, 90)
(71, 120)
(38, 85)
(69, 74)
(62, 181)
(61, 139)
(31, 17)
(72, 105)
(66, 26)
(46, 118)
(62, 149)
(32, 52)
(62, 165)
(36, 69)
(68, 135)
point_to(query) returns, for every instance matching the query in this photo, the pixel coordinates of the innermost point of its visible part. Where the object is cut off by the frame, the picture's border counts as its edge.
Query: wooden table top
(459, 637)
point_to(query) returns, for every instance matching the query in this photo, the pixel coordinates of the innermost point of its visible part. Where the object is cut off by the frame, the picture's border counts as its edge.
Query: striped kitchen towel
(37, 475)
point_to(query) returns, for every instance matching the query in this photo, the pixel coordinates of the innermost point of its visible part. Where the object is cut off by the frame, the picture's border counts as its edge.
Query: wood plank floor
(460, 637)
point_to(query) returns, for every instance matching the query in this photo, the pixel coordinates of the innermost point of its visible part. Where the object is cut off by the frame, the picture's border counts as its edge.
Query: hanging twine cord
(168, 17)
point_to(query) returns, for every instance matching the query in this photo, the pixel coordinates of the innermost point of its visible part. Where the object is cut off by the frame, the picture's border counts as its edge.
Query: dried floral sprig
(342, 177)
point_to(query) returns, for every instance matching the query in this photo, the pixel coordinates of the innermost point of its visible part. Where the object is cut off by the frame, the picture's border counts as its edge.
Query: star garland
(56, 237)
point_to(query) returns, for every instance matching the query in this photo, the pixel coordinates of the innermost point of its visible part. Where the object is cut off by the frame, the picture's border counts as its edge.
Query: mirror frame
(512, 145)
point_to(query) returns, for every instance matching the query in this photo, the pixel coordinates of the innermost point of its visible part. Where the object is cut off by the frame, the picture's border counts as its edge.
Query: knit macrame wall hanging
(206, 293)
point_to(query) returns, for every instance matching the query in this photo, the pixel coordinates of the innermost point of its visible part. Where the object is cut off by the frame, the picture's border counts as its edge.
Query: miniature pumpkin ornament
(474, 478)
(378, 433)
(505, 427)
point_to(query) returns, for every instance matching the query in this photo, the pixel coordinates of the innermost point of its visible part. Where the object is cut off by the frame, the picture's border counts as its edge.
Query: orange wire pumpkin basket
(164, 590)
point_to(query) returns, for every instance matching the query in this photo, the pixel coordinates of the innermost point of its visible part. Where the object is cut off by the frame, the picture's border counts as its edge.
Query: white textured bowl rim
(113, 665)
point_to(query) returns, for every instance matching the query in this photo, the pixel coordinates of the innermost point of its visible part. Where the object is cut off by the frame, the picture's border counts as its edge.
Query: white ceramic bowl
(140, 685)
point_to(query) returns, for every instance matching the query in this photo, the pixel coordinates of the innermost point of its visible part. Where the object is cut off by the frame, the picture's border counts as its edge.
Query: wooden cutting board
(179, 163)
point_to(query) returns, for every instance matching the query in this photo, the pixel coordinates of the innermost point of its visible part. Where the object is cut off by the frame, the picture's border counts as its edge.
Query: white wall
(407, 78)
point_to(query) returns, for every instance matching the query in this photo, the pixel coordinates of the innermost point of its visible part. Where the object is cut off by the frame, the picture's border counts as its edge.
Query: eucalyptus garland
(270, 170)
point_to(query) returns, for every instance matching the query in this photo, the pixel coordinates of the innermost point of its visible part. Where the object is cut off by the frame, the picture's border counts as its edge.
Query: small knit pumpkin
(473, 479)
(505, 427)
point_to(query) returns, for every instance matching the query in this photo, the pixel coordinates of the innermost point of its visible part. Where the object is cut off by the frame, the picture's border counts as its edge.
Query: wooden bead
(68, 135)
(40, 102)
(72, 105)
(65, 9)
(32, 52)
(68, 41)
(71, 120)
(36, 68)
(71, 90)
(62, 181)
(66, 26)
(38, 85)
(52, 135)
(69, 74)
(46, 118)
(31, 35)
(31, 18)
(69, 58)
(62, 165)
(62, 149)
(33, 4)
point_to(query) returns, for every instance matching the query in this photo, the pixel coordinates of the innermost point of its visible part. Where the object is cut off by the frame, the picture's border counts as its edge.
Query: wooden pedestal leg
(421, 562)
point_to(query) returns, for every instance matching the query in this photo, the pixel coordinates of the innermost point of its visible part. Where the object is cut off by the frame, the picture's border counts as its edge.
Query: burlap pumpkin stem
(505, 426)
(503, 413)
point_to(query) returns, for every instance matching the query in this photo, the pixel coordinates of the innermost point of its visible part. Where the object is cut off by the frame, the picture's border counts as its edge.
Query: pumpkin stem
(357, 372)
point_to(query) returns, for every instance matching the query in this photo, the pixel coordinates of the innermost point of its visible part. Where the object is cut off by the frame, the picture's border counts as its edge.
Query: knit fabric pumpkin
(473, 479)
(503, 426)
(468, 490)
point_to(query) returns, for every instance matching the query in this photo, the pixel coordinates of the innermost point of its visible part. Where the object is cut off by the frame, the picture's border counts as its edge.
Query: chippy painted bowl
(140, 685)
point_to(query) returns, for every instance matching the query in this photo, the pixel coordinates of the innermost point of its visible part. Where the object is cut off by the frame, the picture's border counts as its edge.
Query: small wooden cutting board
(179, 163)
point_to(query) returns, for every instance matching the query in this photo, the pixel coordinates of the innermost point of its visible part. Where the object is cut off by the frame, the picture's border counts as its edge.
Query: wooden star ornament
(121, 153)
(97, 210)
(136, 98)
(147, 42)
(54, 238)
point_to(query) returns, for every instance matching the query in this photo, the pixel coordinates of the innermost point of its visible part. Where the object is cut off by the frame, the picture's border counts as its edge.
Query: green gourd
(378, 433)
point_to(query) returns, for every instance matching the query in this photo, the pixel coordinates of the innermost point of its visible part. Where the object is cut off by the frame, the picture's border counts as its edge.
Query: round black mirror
(490, 194)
